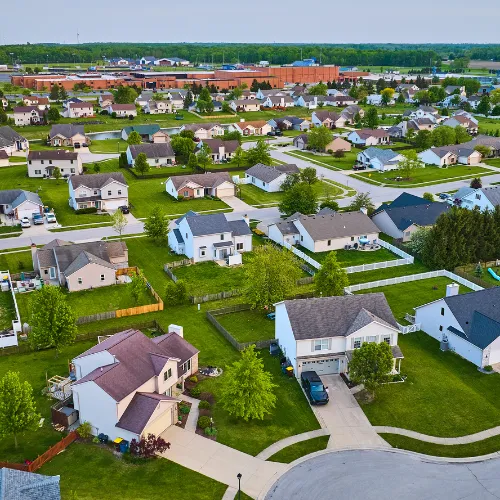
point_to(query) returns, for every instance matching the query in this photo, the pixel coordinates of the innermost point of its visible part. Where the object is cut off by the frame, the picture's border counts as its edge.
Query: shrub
(204, 405)
(208, 396)
(205, 413)
(258, 232)
(95, 440)
(193, 379)
(184, 409)
(130, 117)
(89, 210)
(85, 430)
(195, 392)
(330, 151)
(488, 368)
(180, 197)
(210, 431)
(113, 114)
(104, 112)
(204, 422)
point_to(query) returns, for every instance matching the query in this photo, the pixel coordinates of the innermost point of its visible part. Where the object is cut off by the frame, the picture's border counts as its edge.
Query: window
(187, 365)
(83, 193)
(320, 345)
(371, 338)
(356, 343)
(80, 281)
(46, 271)
(50, 162)
(38, 172)
(478, 196)
(387, 339)
(186, 194)
(352, 238)
(71, 161)
(222, 237)
(102, 277)
(157, 160)
(408, 233)
(301, 238)
(42, 162)
(239, 246)
(119, 191)
(109, 193)
(329, 243)
(440, 328)
(29, 162)
(72, 170)
(202, 252)
(167, 374)
(442, 311)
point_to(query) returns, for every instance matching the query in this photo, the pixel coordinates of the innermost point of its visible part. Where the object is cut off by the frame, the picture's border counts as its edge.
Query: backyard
(348, 258)
(344, 163)
(7, 311)
(16, 261)
(248, 326)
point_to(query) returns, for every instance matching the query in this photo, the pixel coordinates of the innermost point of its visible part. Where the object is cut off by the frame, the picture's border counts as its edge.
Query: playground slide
(494, 274)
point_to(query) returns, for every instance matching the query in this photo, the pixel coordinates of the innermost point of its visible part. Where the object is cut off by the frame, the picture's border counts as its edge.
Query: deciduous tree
(387, 95)
(308, 175)
(141, 164)
(410, 163)
(260, 153)
(156, 225)
(371, 118)
(332, 278)
(183, 147)
(239, 157)
(53, 114)
(299, 198)
(362, 200)
(137, 286)
(319, 138)
(204, 157)
(119, 222)
(134, 138)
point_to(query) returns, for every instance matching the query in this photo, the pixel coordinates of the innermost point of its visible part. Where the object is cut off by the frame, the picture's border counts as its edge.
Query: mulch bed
(347, 381)
(184, 416)
(201, 432)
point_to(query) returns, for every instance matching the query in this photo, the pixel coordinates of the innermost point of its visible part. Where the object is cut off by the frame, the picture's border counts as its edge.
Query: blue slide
(494, 274)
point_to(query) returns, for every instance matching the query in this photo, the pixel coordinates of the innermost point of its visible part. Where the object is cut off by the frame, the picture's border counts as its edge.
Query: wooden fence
(214, 296)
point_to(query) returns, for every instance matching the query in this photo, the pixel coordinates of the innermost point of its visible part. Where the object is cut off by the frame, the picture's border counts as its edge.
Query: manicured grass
(404, 297)
(53, 194)
(292, 414)
(388, 272)
(248, 326)
(345, 163)
(486, 276)
(348, 258)
(108, 146)
(7, 311)
(444, 395)
(479, 448)
(16, 262)
(43, 146)
(428, 174)
(88, 471)
(17, 159)
(10, 229)
(488, 124)
(297, 450)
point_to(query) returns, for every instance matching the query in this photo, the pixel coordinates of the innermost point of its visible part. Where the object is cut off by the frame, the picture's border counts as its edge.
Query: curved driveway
(384, 475)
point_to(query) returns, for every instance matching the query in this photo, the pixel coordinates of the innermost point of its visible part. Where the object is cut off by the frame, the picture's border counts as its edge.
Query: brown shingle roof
(211, 180)
(54, 154)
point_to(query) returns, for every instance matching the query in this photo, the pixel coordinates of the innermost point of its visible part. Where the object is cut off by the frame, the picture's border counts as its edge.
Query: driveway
(375, 475)
(238, 205)
(342, 416)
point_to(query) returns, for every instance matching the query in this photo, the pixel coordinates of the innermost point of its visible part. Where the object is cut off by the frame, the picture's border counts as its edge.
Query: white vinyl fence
(302, 255)
(10, 339)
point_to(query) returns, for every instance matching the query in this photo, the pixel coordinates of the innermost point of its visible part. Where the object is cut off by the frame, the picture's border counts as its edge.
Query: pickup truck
(314, 388)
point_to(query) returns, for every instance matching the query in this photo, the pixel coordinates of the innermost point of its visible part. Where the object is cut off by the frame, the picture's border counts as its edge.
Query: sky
(292, 21)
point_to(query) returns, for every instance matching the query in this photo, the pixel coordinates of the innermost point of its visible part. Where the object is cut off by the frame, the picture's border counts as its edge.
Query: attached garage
(162, 422)
(225, 190)
(114, 204)
(322, 366)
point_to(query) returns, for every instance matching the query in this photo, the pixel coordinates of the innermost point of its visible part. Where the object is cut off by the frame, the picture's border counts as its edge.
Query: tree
(17, 406)
(148, 447)
(428, 196)
(260, 153)
(371, 118)
(299, 198)
(495, 97)
(56, 173)
(484, 150)
(53, 115)
(423, 97)
(401, 98)
(410, 163)
(188, 100)
(125, 95)
(3, 115)
(63, 95)
(52, 321)
(183, 147)
(239, 157)
(318, 89)
(461, 135)
(483, 107)
(134, 138)
(141, 163)
(418, 240)
(443, 136)
(156, 225)
(270, 276)
(387, 95)
(122, 160)
(225, 107)
(331, 279)
(119, 222)
(247, 390)
(371, 365)
(176, 293)
(329, 203)
(308, 175)
(54, 92)
(423, 140)
(192, 163)
(136, 286)
(205, 157)
(479, 270)
(187, 133)
(362, 200)
(319, 138)
(476, 183)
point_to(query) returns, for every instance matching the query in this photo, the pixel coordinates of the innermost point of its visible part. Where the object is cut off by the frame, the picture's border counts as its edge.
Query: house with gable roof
(204, 130)
(19, 203)
(218, 184)
(369, 137)
(158, 154)
(268, 178)
(486, 198)
(220, 150)
(328, 119)
(11, 141)
(66, 134)
(126, 385)
(379, 159)
(29, 115)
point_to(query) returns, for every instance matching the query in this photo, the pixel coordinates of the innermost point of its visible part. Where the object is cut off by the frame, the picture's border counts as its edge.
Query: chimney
(33, 257)
(247, 220)
(452, 289)
(179, 330)
(363, 210)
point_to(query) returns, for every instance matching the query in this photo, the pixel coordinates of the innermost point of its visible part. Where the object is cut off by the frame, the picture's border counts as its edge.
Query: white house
(154, 107)
(122, 110)
(278, 101)
(20, 203)
(221, 150)
(269, 179)
(79, 110)
(29, 115)
(467, 324)
(369, 137)
(104, 191)
(379, 159)
(218, 184)
(376, 100)
(210, 237)
(263, 94)
(486, 198)
(126, 386)
(158, 154)
(320, 334)
(239, 105)
(43, 163)
(325, 231)
(11, 141)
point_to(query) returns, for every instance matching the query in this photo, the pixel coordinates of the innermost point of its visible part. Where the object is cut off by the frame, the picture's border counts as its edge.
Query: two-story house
(204, 130)
(210, 237)
(240, 105)
(107, 191)
(29, 115)
(126, 385)
(106, 100)
(80, 110)
(155, 107)
(221, 150)
(41, 103)
(268, 178)
(320, 334)
(43, 163)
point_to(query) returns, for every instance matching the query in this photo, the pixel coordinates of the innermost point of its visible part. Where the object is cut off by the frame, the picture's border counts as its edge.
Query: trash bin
(123, 446)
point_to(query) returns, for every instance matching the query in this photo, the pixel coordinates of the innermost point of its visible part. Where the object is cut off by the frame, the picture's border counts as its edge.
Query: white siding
(284, 335)
(86, 364)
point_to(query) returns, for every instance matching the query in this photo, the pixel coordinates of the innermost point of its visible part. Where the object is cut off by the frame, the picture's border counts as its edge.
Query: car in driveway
(37, 218)
(314, 388)
(25, 222)
(124, 209)
(51, 218)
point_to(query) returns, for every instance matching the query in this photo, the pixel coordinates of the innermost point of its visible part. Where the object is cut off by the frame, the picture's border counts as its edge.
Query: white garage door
(322, 366)
(114, 204)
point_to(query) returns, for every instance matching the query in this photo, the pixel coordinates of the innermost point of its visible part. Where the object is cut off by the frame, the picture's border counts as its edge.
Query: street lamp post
(239, 476)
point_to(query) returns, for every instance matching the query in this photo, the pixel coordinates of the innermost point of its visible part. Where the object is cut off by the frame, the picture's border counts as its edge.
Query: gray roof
(52, 154)
(337, 316)
(209, 180)
(197, 126)
(287, 227)
(157, 150)
(9, 136)
(493, 194)
(239, 227)
(15, 197)
(20, 485)
(97, 181)
(83, 259)
(202, 225)
(269, 174)
(462, 192)
(324, 115)
(384, 155)
(215, 144)
(66, 130)
(420, 215)
(337, 225)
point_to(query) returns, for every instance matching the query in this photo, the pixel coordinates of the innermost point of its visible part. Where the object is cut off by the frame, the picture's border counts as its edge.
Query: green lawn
(388, 272)
(248, 326)
(444, 395)
(108, 146)
(486, 276)
(428, 174)
(17, 159)
(348, 258)
(16, 262)
(53, 194)
(88, 472)
(7, 311)
(488, 124)
(297, 450)
(345, 163)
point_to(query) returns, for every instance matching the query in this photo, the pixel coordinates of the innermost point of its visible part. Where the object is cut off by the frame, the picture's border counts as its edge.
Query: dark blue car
(314, 388)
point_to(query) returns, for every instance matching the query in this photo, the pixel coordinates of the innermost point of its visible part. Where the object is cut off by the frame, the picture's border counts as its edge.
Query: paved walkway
(192, 420)
(471, 438)
(220, 462)
(283, 443)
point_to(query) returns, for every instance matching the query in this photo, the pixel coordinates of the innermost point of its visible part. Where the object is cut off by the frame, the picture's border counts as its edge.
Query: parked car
(272, 133)
(359, 167)
(124, 209)
(278, 132)
(314, 388)
(37, 218)
(51, 218)
(77, 145)
(444, 196)
(25, 222)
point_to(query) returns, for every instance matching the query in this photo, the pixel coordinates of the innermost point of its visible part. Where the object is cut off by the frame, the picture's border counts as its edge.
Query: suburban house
(11, 141)
(350, 113)
(328, 119)
(158, 154)
(171, 61)
(486, 198)
(80, 266)
(104, 191)
(290, 123)
(376, 100)
(122, 110)
(456, 90)
(221, 150)
(67, 135)
(160, 137)
(320, 334)
(278, 102)
(467, 324)
(17, 484)
(379, 159)
(493, 143)
(204, 130)
(67, 102)
(471, 126)
(43, 163)
(4, 159)
(154, 107)
(126, 385)
(325, 231)
(259, 127)
(29, 115)
(79, 110)
(450, 155)
(369, 137)
(407, 213)
(263, 94)
(4, 102)
(245, 105)
(146, 132)
(41, 103)
(269, 179)
(423, 112)
(105, 100)
(343, 100)
(300, 141)
(217, 184)
(210, 237)
(19, 203)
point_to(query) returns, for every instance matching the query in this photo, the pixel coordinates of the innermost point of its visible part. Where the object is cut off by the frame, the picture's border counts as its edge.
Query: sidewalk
(192, 420)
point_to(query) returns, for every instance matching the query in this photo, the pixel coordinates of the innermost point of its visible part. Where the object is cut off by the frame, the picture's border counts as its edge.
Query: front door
(52, 273)
(98, 204)
(224, 253)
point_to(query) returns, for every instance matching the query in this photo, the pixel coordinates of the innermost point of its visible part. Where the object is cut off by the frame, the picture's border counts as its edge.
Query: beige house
(80, 110)
(154, 107)
(106, 100)
(217, 184)
(259, 127)
(245, 105)
(160, 137)
(221, 150)
(67, 135)
(338, 144)
(41, 103)
(204, 130)
(122, 110)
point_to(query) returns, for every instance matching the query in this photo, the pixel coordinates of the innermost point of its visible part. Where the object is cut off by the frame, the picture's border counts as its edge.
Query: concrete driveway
(348, 425)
